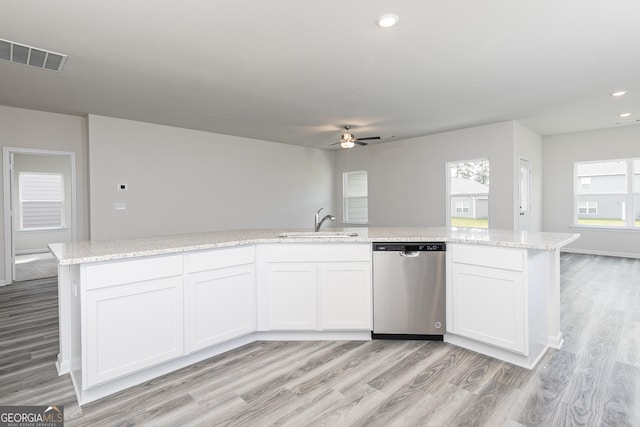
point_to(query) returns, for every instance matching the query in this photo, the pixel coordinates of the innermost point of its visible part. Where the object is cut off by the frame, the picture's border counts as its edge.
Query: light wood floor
(593, 381)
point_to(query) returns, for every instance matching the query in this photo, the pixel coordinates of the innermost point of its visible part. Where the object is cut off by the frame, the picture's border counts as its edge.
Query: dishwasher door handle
(409, 254)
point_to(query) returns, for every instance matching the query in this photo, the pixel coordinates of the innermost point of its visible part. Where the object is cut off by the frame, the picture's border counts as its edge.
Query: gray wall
(47, 131)
(182, 180)
(560, 154)
(407, 179)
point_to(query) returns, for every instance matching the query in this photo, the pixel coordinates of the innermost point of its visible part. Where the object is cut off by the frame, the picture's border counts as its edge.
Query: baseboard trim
(62, 366)
(602, 253)
(33, 251)
(557, 341)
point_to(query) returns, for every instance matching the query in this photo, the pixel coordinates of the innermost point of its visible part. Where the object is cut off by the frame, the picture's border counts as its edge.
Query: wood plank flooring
(594, 380)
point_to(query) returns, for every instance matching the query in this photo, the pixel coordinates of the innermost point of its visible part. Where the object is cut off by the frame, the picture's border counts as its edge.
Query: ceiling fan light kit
(347, 144)
(346, 135)
(348, 140)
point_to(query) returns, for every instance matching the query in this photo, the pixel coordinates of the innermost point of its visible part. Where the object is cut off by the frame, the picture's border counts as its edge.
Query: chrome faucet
(320, 221)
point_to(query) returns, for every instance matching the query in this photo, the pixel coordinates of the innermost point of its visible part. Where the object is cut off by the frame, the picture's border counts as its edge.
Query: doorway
(39, 208)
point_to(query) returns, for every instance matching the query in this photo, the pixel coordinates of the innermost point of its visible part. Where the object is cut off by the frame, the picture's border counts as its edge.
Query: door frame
(529, 194)
(9, 247)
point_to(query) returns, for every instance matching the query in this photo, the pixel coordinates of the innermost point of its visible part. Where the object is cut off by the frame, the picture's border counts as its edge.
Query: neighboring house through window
(469, 193)
(41, 201)
(588, 208)
(462, 207)
(607, 193)
(355, 197)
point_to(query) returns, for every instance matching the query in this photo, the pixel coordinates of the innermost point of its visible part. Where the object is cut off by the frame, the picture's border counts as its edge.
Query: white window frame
(22, 201)
(628, 215)
(346, 198)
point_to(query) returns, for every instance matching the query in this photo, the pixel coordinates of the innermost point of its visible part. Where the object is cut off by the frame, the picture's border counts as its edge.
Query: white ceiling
(295, 71)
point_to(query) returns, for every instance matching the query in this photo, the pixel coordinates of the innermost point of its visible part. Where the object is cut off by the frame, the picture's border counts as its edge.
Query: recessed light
(388, 20)
(619, 93)
(625, 114)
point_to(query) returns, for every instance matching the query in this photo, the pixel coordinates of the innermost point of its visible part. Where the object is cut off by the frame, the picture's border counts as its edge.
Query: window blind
(41, 198)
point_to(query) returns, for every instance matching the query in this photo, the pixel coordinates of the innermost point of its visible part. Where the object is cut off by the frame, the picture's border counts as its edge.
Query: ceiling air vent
(27, 55)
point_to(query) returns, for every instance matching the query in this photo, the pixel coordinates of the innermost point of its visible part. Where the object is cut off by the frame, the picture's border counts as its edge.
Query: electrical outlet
(120, 206)
(123, 187)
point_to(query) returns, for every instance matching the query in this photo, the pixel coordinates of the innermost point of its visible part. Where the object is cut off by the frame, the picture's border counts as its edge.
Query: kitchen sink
(317, 234)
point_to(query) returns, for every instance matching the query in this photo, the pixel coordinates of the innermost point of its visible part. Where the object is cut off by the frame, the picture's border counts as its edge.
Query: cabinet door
(292, 293)
(131, 327)
(222, 305)
(489, 306)
(345, 296)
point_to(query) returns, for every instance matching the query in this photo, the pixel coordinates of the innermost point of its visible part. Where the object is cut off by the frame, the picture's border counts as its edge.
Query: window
(462, 207)
(607, 193)
(469, 194)
(355, 197)
(41, 201)
(588, 208)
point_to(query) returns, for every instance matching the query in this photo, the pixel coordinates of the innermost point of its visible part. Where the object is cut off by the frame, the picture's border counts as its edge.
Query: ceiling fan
(348, 140)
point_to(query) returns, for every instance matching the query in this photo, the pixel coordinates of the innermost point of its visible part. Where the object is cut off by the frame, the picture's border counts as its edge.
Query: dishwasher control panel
(410, 247)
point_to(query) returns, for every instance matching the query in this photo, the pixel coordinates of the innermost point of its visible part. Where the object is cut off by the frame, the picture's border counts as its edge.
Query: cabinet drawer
(131, 271)
(488, 256)
(220, 258)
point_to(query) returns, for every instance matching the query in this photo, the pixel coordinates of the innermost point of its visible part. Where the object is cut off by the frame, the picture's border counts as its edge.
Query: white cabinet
(316, 287)
(141, 313)
(221, 296)
(293, 301)
(134, 316)
(488, 305)
(345, 292)
(487, 295)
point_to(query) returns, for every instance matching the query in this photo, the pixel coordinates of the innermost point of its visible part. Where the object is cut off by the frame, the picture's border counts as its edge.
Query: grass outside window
(605, 222)
(470, 222)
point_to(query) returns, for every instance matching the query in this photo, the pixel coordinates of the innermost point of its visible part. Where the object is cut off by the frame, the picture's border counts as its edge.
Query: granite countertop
(108, 250)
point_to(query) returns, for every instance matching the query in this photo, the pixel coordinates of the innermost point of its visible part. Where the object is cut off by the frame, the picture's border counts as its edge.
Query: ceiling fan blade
(335, 143)
(360, 143)
(367, 138)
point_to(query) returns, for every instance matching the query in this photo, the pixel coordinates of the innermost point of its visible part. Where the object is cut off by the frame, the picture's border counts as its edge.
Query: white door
(345, 296)
(524, 217)
(293, 299)
(132, 327)
(222, 305)
(488, 305)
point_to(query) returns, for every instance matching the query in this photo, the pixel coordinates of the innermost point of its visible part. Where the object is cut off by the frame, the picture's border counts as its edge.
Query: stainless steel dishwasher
(409, 290)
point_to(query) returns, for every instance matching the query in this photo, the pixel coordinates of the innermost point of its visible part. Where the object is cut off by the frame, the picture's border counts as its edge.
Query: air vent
(32, 56)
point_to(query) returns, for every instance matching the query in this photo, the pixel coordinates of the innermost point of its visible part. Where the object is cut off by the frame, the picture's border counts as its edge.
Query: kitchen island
(131, 310)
